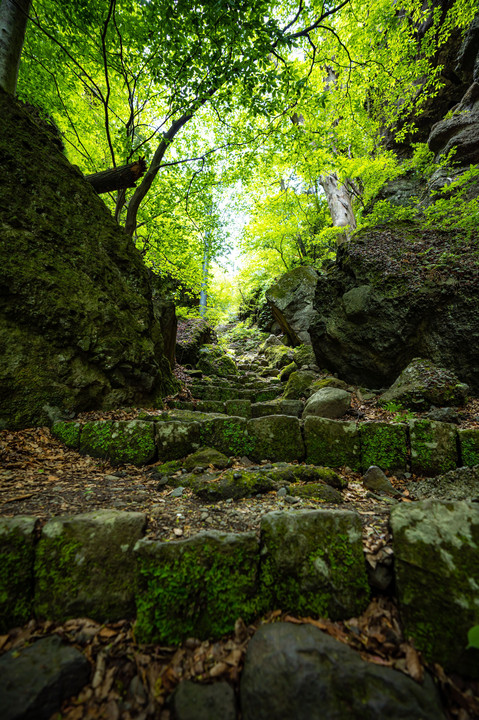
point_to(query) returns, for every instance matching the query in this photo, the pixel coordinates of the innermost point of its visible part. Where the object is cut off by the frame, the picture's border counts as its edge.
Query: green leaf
(473, 638)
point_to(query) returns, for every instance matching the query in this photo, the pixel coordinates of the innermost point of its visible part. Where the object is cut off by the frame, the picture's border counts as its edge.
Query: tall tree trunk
(339, 203)
(13, 21)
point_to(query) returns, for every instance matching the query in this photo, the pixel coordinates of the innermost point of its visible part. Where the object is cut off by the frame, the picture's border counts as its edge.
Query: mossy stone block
(318, 491)
(298, 384)
(233, 484)
(239, 408)
(469, 444)
(176, 439)
(276, 437)
(333, 443)
(213, 392)
(227, 434)
(68, 433)
(210, 406)
(436, 561)
(433, 447)
(196, 587)
(85, 566)
(277, 407)
(17, 554)
(304, 355)
(205, 457)
(384, 444)
(312, 562)
(120, 442)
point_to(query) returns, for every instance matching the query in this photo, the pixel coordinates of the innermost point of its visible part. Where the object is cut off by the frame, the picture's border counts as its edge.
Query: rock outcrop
(291, 301)
(396, 293)
(78, 329)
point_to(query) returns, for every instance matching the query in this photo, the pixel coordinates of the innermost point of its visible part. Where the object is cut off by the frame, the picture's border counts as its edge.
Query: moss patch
(16, 571)
(333, 443)
(276, 437)
(433, 447)
(385, 445)
(68, 433)
(228, 435)
(469, 444)
(121, 442)
(197, 587)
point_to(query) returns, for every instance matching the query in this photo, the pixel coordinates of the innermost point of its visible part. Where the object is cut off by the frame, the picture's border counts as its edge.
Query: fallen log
(117, 178)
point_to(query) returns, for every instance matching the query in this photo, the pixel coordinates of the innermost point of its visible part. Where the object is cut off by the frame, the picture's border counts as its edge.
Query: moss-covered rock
(197, 587)
(422, 384)
(211, 406)
(213, 361)
(278, 356)
(469, 444)
(68, 433)
(67, 341)
(304, 355)
(299, 384)
(285, 372)
(234, 484)
(193, 333)
(229, 435)
(291, 300)
(436, 551)
(177, 439)
(85, 567)
(312, 473)
(276, 437)
(333, 443)
(312, 563)
(327, 382)
(204, 458)
(239, 408)
(384, 444)
(277, 407)
(131, 441)
(328, 402)
(433, 447)
(17, 554)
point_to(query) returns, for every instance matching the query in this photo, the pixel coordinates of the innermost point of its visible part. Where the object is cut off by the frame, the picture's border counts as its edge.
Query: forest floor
(41, 478)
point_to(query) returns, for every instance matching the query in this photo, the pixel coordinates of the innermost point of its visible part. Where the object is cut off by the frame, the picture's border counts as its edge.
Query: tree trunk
(13, 21)
(117, 178)
(339, 203)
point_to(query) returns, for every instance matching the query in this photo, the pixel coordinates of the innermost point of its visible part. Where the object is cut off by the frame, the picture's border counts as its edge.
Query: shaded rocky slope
(78, 329)
(395, 293)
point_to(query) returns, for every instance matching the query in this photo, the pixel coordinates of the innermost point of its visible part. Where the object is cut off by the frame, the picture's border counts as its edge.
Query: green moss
(276, 437)
(54, 561)
(234, 484)
(239, 408)
(469, 444)
(68, 433)
(195, 588)
(228, 435)
(384, 445)
(16, 571)
(316, 491)
(433, 447)
(333, 443)
(120, 442)
(168, 468)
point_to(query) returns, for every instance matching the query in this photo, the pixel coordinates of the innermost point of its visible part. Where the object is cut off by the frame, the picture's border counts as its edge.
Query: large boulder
(192, 335)
(423, 384)
(459, 132)
(291, 300)
(380, 305)
(78, 329)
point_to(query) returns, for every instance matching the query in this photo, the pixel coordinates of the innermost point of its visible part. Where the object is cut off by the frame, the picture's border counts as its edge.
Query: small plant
(401, 414)
(473, 638)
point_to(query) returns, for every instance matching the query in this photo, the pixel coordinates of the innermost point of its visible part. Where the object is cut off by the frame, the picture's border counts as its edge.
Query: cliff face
(78, 329)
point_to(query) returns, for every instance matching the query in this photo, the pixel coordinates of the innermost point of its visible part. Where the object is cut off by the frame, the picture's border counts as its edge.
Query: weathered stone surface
(406, 315)
(192, 335)
(131, 441)
(196, 587)
(193, 701)
(276, 437)
(291, 300)
(313, 473)
(239, 408)
(213, 361)
(297, 671)
(329, 402)
(68, 433)
(233, 484)
(298, 384)
(433, 447)
(17, 553)
(333, 443)
(461, 131)
(229, 435)
(277, 407)
(321, 492)
(278, 355)
(436, 546)
(304, 355)
(204, 458)
(176, 439)
(285, 372)
(423, 384)
(85, 567)
(312, 562)
(66, 340)
(469, 446)
(459, 484)
(210, 406)
(374, 479)
(384, 444)
(35, 680)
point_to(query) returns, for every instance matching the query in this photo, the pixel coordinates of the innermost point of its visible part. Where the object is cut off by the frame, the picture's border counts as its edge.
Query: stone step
(241, 408)
(424, 447)
(222, 393)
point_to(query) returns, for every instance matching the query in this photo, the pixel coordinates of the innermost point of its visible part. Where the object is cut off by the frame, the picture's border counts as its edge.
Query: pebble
(177, 492)
(111, 478)
(291, 500)
(229, 501)
(282, 492)
(162, 482)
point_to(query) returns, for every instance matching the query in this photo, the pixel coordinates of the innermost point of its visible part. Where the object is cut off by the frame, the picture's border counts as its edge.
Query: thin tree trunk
(117, 178)
(339, 203)
(13, 22)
